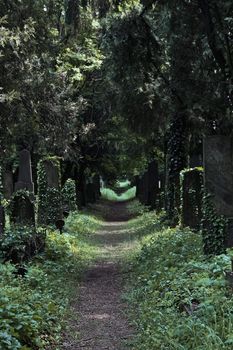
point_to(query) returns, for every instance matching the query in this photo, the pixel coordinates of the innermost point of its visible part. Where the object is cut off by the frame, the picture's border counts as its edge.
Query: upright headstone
(191, 198)
(23, 210)
(90, 192)
(218, 177)
(8, 183)
(49, 191)
(25, 172)
(96, 180)
(69, 196)
(52, 174)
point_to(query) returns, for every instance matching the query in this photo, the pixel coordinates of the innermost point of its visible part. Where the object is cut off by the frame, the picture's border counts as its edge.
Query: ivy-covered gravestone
(218, 198)
(143, 189)
(22, 211)
(191, 197)
(69, 196)
(49, 191)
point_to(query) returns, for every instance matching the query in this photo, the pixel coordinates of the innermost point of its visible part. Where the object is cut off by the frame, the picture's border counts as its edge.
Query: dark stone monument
(8, 182)
(52, 174)
(25, 172)
(191, 198)
(147, 185)
(50, 207)
(23, 211)
(218, 177)
(96, 181)
(143, 189)
(90, 192)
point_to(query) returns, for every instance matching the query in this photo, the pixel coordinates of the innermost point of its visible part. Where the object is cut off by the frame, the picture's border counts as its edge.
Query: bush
(21, 243)
(49, 198)
(181, 297)
(32, 307)
(69, 195)
(28, 314)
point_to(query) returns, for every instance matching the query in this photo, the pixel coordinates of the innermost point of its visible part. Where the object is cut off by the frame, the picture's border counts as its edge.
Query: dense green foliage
(180, 298)
(49, 197)
(69, 195)
(32, 307)
(107, 88)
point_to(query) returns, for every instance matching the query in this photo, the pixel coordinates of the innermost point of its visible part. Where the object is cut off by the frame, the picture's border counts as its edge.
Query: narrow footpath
(99, 321)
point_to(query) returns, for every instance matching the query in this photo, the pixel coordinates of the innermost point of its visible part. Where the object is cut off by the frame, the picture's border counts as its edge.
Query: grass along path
(99, 320)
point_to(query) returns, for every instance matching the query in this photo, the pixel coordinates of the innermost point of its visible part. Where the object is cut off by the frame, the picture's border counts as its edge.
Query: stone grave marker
(8, 183)
(191, 198)
(25, 172)
(218, 177)
(23, 210)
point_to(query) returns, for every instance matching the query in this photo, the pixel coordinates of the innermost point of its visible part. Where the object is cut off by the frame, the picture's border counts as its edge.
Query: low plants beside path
(181, 297)
(32, 307)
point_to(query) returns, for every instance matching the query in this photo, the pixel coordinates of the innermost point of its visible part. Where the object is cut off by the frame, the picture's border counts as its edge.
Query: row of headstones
(216, 180)
(49, 194)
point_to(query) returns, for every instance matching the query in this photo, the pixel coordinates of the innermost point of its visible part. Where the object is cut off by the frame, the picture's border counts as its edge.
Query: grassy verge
(179, 298)
(31, 308)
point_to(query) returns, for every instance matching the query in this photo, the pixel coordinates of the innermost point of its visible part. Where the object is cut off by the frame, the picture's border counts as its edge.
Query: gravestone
(90, 192)
(8, 183)
(23, 211)
(191, 198)
(2, 220)
(52, 174)
(143, 189)
(218, 177)
(25, 172)
(50, 208)
(96, 181)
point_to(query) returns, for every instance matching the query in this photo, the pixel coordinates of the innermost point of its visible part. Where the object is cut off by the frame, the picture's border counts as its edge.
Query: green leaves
(32, 308)
(180, 297)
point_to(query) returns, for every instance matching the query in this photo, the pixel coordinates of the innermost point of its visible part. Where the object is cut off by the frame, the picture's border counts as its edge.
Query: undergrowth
(32, 307)
(180, 299)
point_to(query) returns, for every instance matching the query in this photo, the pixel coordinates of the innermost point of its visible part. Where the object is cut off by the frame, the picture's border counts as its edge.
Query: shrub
(69, 195)
(20, 243)
(181, 297)
(49, 198)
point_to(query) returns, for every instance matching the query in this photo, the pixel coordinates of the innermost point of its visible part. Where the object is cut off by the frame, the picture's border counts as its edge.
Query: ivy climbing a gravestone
(49, 191)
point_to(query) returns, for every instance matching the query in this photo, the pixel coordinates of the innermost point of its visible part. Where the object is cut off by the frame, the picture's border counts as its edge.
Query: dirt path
(99, 320)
